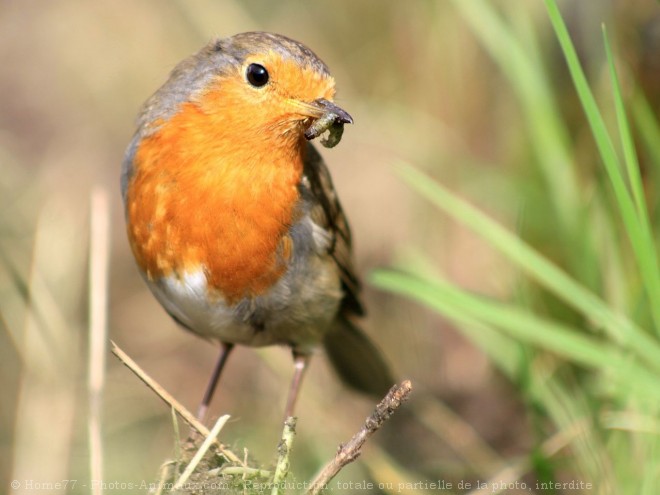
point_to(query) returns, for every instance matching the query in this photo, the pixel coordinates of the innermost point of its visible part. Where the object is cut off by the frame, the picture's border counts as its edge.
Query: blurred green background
(475, 93)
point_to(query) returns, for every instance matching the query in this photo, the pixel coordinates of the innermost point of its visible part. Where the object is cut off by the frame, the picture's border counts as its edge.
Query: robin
(231, 212)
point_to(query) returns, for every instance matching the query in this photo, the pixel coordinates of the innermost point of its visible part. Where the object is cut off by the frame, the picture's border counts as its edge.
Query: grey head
(193, 74)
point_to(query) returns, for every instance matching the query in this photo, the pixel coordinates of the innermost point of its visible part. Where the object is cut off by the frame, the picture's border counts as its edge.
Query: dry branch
(350, 451)
(171, 401)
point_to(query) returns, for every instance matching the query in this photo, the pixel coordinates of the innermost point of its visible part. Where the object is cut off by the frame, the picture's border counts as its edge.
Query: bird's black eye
(257, 75)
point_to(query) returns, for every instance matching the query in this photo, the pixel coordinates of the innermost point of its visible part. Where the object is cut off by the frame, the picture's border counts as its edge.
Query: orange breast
(205, 193)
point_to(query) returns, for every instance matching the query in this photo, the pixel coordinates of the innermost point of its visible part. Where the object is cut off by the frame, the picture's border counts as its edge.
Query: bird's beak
(321, 109)
(325, 109)
(327, 117)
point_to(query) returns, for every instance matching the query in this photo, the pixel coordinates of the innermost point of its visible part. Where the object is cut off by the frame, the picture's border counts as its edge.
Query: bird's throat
(202, 199)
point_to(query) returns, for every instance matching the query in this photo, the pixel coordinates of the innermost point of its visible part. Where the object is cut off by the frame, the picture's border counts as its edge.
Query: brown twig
(350, 451)
(171, 401)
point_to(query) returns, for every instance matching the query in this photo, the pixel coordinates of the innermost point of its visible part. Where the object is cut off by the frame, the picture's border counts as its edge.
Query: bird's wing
(328, 214)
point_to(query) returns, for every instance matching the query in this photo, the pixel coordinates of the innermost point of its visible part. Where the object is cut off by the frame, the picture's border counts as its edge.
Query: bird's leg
(300, 365)
(225, 350)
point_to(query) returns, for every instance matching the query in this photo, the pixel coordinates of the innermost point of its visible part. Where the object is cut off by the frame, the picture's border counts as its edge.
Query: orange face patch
(290, 80)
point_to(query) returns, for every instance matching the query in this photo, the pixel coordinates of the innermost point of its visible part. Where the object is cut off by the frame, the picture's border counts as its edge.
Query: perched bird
(231, 213)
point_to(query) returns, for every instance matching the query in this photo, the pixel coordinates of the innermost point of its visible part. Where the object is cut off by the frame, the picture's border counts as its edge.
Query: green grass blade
(520, 64)
(650, 270)
(504, 351)
(620, 328)
(639, 238)
(570, 410)
(648, 126)
(627, 144)
(570, 343)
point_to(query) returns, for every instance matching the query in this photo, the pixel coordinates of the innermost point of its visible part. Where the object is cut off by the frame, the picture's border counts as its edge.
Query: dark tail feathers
(356, 359)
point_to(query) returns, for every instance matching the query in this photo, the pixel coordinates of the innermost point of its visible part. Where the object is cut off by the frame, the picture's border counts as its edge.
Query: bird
(231, 213)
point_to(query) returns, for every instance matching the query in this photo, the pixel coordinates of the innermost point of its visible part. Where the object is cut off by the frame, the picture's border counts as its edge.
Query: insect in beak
(325, 116)
(330, 118)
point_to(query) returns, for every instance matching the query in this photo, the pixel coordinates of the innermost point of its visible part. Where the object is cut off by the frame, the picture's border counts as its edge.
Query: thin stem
(350, 451)
(99, 256)
(171, 401)
(190, 468)
(283, 451)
